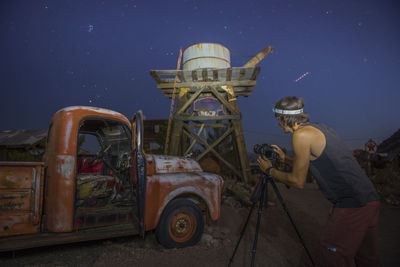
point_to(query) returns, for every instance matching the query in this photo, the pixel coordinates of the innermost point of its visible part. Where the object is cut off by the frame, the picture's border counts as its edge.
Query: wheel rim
(182, 226)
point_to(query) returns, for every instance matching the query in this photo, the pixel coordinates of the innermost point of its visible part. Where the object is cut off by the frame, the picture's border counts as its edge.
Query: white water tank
(206, 55)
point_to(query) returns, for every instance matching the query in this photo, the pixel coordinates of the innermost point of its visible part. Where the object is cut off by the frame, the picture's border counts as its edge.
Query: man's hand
(264, 163)
(279, 151)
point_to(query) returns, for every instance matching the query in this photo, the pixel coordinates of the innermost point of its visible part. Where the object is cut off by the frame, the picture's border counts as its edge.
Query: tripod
(264, 194)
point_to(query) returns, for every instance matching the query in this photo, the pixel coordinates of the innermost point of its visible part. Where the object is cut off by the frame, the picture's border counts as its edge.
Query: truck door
(103, 193)
(138, 169)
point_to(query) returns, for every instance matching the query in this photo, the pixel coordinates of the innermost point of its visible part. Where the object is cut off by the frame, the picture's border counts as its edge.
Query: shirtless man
(351, 230)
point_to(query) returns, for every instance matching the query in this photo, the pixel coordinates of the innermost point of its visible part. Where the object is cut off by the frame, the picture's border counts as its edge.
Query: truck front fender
(161, 189)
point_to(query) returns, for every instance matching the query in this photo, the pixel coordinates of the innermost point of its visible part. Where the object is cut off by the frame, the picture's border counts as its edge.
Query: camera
(267, 151)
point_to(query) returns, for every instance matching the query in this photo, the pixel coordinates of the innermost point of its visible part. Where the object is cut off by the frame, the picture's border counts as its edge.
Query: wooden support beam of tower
(239, 91)
(239, 138)
(225, 85)
(209, 125)
(206, 118)
(223, 101)
(190, 101)
(193, 135)
(216, 142)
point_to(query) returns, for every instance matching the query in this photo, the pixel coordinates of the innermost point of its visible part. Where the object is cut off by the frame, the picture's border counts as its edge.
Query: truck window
(105, 141)
(88, 144)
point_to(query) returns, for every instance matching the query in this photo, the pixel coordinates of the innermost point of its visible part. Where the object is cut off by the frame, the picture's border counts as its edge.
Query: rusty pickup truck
(96, 182)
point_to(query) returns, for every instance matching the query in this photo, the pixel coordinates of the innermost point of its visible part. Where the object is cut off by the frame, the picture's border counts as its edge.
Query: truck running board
(46, 239)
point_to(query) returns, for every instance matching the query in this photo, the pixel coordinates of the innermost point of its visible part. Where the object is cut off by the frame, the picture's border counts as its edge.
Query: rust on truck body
(169, 164)
(21, 189)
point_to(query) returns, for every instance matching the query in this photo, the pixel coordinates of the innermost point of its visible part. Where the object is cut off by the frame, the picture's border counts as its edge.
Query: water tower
(207, 113)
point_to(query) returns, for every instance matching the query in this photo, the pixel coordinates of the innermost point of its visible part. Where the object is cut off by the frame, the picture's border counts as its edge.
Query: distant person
(351, 230)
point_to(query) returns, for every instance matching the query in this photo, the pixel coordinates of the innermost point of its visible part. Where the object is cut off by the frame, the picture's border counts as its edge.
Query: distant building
(154, 133)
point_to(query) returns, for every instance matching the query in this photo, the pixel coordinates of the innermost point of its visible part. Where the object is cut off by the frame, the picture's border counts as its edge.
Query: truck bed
(21, 197)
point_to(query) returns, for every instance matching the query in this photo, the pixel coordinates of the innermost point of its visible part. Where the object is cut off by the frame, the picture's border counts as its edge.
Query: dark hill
(390, 145)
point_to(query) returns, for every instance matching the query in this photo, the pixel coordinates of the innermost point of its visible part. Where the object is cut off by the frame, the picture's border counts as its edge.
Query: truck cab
(96, 182)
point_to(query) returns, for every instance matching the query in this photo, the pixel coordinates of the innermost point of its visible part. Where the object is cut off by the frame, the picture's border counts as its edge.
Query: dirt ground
(278, 244)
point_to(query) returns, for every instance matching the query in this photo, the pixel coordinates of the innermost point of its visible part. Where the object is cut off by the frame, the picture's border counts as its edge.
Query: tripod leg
(242, 233)
(278, 194)
(260, 206)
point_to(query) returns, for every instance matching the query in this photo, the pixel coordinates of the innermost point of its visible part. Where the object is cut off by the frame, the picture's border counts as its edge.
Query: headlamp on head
(287, 112)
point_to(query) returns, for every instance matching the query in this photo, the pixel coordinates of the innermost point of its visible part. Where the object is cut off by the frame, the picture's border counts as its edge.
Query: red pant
(351, 234)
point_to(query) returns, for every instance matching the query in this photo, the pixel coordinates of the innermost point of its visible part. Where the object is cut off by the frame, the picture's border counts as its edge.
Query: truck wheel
(181, 224)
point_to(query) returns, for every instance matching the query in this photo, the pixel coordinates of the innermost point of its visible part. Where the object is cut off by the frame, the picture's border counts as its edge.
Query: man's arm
(301, 145)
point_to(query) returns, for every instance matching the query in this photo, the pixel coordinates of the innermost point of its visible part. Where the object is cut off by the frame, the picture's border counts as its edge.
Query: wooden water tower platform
(241, 79)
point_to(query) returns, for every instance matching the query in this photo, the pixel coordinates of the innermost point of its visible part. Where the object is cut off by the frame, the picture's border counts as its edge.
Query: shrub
(387, 180)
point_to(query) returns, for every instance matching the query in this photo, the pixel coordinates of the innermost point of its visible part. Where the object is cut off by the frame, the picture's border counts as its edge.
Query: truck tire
(181, 224)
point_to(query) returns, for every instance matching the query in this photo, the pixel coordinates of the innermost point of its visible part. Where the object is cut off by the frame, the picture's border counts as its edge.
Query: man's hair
(291, 103)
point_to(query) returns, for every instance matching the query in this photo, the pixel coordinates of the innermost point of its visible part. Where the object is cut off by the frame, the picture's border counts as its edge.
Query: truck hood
(170, 164)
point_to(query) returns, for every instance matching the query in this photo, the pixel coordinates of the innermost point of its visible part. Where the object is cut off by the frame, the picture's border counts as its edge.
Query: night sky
(55, 54)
